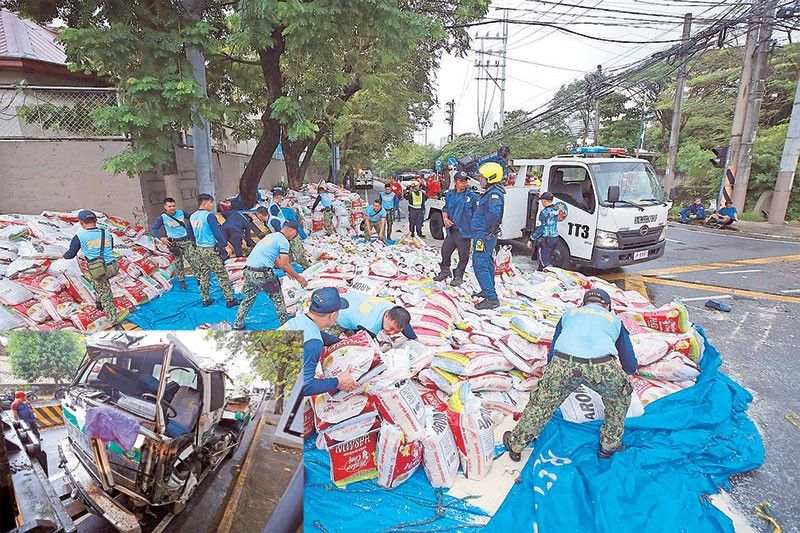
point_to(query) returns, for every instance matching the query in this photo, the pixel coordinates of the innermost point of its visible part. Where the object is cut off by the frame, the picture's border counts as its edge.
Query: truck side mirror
(613, 194)
(60, 393)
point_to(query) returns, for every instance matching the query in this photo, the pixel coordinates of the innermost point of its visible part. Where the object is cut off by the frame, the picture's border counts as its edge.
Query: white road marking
(666, 276)
(710, 297)
(673, 240)
(791, 290)
(731, 235)
(739, 271)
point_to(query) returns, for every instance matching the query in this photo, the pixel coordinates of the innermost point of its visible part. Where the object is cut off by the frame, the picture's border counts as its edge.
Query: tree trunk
(293, 151)
(280, 386)
(270, 61)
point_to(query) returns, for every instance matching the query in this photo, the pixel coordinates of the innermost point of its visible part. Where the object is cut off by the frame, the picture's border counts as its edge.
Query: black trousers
(454, 241)
(415, 217)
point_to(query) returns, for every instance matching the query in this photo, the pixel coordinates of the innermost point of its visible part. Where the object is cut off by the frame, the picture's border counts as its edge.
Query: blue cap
(596, 296)
(291, 224)
(327, 300)
(85, 215)
(546, 196)
(277, 190)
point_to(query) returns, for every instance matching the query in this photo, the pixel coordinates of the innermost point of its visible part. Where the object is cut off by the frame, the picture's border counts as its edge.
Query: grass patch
(752, 216)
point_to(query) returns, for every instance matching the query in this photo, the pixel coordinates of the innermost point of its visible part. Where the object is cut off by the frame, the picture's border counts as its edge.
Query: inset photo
(149, 431)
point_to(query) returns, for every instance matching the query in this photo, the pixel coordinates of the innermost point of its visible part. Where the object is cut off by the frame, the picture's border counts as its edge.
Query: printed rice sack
(673, 367)
(525, 382)
(669, 318)
(471, 363)
(532, 330)
(13, 293)
(502, 402)
(359, 353)
(440, 456)
(33, 311)
(650, 390)
(473, 430)
(433, 398)
(523, 355)
(691, 345)
(347, 430)
(42, 284)
(55, 325)
(384, 268)
(586, 405)
(397, 457)
(329, 412)
(90, 319)
(399, 403)
(10, 319)
(353, 460)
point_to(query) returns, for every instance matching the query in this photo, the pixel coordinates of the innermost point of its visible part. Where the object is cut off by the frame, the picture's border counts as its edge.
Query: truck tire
(436, 225)
(560, 257)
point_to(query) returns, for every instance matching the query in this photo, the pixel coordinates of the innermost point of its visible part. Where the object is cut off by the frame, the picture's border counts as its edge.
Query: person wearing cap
(485, 230)
(174, 230)
(388, 200)
(322, 314)
(22, 409)
(374, 315)
(590, 347)
(375, 217)
(297, 253)
(238, 227)
(208, 236)
(97, 246)
(545, 236)
(459, 207)
(270, 253)
(325, 199)
(416, 208)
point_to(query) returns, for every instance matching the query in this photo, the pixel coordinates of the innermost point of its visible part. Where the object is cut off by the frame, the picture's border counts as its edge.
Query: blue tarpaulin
(685, 446)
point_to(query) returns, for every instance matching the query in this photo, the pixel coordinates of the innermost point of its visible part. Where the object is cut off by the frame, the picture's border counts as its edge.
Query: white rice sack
(9, 319)
(532, 330)
(585, 405)
(502, 402)
(329, 412)
(397, 457)
(649, 348)
(399, 403)
(439, 451)
(384, 268)
(349, 429)
(40, 250)
(13, 293)
(673, 367)
(471, 363)
(473, 429)
(358, 353)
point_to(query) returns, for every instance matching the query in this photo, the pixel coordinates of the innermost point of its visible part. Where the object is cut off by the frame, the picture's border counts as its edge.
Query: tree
(276, 356)
(53, 355)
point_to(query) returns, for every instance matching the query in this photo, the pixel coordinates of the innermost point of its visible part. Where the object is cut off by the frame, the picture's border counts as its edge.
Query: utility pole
(791, 150)
(502, 118)
(497, 78)
(675, 130)
(594, 83)
(755, 97)
(450, 117)
(737, 126)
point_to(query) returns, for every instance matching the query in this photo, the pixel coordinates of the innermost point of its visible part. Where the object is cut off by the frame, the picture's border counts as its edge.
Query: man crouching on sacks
(589, 345)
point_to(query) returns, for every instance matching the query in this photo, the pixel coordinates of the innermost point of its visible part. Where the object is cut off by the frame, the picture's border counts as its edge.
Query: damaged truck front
(145, 425)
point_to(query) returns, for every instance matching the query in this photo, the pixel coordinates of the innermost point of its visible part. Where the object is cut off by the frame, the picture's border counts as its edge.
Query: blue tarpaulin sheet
(685, 446)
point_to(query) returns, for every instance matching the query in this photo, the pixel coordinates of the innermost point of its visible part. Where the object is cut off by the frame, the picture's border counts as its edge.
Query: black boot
(441, 276)
(208, 302)
(457, 281)
(515, 456)
(99, 305)
(232, 303)
(488, 303)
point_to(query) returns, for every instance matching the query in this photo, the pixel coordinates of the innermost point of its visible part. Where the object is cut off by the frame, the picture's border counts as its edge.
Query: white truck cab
(616, 208)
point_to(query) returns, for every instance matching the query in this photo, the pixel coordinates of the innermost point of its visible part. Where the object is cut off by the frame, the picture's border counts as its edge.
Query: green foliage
(44, 355)
(276, 356)
(407, 156)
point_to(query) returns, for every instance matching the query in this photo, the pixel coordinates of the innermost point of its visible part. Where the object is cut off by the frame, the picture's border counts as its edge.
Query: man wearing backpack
(97, 246)
(177, 236)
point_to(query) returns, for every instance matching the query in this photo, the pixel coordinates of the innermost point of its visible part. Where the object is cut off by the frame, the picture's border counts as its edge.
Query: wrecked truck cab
(166, 410)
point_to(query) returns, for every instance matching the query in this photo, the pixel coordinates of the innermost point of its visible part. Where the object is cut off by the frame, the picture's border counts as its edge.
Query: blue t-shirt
(589, 332)
(387, 199)
(728, 212)
(90, 244)
(374, 216)
(366, 311)
(289, 214)
(460, 206)
(202, 228)
(314, 341)
(267, 250)
(326, 200)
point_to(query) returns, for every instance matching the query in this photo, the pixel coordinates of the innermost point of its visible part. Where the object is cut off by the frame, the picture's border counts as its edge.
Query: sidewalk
(763, 229)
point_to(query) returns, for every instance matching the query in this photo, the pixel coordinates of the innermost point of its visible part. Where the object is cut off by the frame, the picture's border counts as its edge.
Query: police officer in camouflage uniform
(589, 345)
(178, 236)
(326, 200)
(97, 246)
(208, 233)
(269, 253)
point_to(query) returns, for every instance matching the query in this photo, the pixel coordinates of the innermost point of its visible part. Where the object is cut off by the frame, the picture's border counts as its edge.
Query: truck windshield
(637, 181)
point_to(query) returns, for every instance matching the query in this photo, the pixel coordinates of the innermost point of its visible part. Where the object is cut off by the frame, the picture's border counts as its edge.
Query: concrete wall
(65, 175)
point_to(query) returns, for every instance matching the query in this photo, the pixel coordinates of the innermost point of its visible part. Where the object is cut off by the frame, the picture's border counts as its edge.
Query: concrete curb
(738, 231)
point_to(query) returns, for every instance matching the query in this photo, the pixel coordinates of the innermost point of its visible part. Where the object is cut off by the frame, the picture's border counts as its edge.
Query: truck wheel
(560, 257)
(436, 225)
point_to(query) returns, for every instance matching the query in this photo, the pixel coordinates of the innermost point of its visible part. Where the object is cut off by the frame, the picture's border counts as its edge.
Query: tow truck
(616, 208)
(187, 426)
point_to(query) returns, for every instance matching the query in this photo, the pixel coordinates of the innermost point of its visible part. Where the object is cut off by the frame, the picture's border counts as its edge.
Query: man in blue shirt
(237, 227)
(459, 207)
(270, 253)
(208, 235)
(545, 236)
(174, 230)
(694, 212)
(485, 230)
(326, 200)
(374, 315)
(322, 313)
(723, 217)
(97, 246)
(590, 347)
(375, 217)
(388, 200)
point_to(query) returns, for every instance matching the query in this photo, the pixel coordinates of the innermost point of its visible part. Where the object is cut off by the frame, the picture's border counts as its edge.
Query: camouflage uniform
(298, 252)
(327, 220)
(560, 379)
(209, 261)
(254, 282)
(188, 254)
(102, 291)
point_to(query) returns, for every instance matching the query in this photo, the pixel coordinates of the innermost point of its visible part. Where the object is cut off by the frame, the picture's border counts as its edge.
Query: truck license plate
(640, 255)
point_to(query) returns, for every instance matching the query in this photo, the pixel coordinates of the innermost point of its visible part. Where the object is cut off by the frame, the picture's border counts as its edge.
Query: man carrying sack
(97, 246)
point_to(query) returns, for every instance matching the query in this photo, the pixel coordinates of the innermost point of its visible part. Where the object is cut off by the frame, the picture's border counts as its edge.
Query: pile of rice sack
(434, 402)
(40, 290)
(348, 208)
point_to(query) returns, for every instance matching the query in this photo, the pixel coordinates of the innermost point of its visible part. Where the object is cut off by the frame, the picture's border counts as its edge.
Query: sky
(529, 86)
